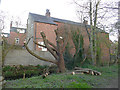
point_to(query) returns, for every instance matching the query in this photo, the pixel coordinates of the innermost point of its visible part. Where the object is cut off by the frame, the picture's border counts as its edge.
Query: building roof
(52, 20)
(14, 29)
(42, 19)
(65, 21)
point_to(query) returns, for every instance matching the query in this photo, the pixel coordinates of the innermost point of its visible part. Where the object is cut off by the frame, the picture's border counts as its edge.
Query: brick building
(47, 24)
(17, 35)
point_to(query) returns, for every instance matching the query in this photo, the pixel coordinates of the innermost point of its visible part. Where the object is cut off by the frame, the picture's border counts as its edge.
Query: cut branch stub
(43, 34)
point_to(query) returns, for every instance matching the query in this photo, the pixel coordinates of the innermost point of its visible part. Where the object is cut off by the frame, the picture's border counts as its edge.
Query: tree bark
(60, 44)
(93, 38)
(61, 64)
(95, 32)
(91, 34)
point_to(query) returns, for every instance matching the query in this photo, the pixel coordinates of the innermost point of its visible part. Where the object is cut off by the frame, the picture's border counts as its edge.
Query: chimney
(47, 13)
(11, 24)
(85, 22)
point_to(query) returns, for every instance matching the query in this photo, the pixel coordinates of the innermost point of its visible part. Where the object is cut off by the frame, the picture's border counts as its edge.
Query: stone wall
(22, 57)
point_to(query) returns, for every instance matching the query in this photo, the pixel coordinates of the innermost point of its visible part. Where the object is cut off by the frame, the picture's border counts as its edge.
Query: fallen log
(86, 71)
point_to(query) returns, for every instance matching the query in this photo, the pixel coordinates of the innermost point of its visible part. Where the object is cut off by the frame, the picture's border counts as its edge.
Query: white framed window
(20, 30)
(5, 35)
(16, 40)
(43, 49)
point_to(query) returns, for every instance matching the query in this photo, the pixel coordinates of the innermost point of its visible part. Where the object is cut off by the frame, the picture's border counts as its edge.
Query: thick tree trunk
(91, 34)
(95, 32)
(61, 64)
(93, 38)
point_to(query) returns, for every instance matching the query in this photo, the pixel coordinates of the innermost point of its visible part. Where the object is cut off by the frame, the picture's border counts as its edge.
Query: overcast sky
(58, 8)
(63, 9)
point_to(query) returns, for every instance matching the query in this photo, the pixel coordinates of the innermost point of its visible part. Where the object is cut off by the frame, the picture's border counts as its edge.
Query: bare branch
(52, 45)
(86, 7)
(35, 55)
(11, 47)
(39, 44)
(48, 47)
(28, 41)
(43, 46)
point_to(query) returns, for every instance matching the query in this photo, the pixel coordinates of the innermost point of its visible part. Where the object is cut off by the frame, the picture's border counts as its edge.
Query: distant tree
(2, 20)
(117, 25)
(119, 32)
(96, 12)
(16, 21)
(90, 9)
(5, 49)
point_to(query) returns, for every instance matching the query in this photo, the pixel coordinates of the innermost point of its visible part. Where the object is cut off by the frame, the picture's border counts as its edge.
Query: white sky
(63, 9)
(58, 8)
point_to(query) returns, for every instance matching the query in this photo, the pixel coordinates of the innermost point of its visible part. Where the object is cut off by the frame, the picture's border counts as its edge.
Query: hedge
(16, 72)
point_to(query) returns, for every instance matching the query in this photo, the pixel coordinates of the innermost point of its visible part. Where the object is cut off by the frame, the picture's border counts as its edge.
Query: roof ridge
(65, 20)
(57, 19)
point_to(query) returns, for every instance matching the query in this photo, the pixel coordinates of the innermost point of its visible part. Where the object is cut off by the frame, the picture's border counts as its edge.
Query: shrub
(6, 68)
(53, 69)
(16, 72)
(79, 56)
(68, 58)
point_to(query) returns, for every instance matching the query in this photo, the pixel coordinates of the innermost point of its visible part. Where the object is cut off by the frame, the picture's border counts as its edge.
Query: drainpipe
(35, 35)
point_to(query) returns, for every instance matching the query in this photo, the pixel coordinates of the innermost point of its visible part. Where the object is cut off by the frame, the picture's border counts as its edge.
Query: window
(43, 49)
(16, 40)
(20, 30)
(5, 35)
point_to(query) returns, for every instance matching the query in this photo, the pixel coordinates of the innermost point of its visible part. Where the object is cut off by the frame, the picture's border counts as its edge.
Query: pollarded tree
(56, 50)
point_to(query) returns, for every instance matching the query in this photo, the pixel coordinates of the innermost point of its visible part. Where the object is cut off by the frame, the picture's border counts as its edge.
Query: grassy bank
(68, 81)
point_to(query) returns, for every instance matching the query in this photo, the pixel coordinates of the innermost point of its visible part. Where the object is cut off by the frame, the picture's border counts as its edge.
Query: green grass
(52, 81)
(67, 81)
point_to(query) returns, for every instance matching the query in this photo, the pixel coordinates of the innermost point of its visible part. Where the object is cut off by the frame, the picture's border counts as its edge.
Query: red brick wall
(75, 28)
(14, 35)
(105, 45)
(48, 29)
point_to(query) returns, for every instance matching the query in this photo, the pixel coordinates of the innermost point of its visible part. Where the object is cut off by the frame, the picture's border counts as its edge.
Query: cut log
(86, 71)
(78, 68)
